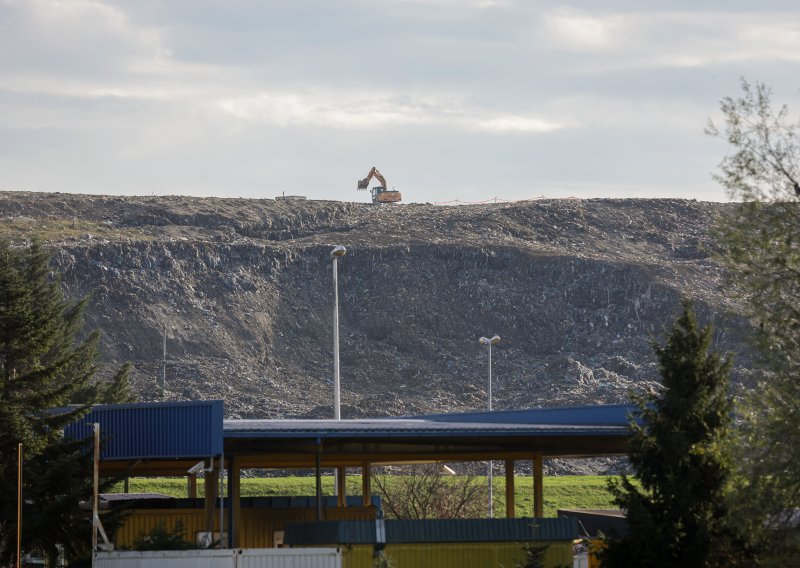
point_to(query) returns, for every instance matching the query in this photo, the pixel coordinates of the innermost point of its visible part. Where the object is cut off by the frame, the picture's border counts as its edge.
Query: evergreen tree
(44, 365)
(677, 513)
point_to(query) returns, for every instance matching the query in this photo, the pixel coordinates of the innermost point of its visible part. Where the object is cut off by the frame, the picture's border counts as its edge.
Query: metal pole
(490, 377)
(336, 395)
(490, 478)
(95, 490)
(337, 410)
(489, 342)
(19, 506)
(221, 490)
(164, 367)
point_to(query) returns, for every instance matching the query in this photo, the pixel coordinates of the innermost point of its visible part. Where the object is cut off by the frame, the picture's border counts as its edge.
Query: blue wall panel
(155, 430)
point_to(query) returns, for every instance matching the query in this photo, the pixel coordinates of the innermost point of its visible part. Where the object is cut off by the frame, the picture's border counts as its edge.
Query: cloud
(68, 37)
(575, 30)
(510, 123)
(456, 4)
(542, 94)
(346, 110)
(680, 39)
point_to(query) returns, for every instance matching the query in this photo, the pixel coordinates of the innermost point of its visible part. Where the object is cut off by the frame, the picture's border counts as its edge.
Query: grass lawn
(560, 492)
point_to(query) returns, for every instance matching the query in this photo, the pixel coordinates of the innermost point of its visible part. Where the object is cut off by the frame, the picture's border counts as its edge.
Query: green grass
(48, 229)
(561, 492)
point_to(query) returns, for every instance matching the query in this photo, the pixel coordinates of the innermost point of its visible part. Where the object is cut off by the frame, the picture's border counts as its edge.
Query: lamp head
(493, 341)
(338, 251)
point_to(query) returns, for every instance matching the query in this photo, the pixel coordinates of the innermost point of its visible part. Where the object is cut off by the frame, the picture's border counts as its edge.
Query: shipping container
(230, 558)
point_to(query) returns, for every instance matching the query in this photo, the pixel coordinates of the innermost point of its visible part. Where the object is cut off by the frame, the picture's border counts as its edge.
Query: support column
(191, 488)
(538, 493)
(366, 485)
(211, 482)
(235, 493)
(511, 505)
(318, 475)
(341, 489)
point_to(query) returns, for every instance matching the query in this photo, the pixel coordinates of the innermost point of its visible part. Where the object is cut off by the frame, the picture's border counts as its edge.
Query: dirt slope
(575, 288)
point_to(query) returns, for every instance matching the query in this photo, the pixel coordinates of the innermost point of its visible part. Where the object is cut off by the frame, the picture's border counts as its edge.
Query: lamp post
(337, 251)
(489, 342)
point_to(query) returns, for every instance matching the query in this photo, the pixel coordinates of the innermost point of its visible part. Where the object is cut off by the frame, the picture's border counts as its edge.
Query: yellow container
(454, 555)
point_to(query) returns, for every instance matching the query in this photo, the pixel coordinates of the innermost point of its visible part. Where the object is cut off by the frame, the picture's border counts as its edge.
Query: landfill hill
(576, 289)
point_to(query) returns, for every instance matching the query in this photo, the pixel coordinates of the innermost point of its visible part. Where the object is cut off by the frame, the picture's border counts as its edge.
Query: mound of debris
(576, 289)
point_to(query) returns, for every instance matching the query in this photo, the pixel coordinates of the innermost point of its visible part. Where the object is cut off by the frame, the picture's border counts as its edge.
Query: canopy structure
(506, 435)
(181, 438)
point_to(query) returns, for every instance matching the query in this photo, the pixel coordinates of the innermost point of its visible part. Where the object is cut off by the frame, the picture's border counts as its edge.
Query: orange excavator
(380, 193)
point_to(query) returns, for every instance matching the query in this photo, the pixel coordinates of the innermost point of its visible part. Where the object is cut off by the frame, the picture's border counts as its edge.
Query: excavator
(380, 193)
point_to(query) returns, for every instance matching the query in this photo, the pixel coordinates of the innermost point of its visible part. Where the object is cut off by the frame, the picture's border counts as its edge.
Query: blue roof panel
(433, 530)
(164, 430)
(596, 415)
(416, 427)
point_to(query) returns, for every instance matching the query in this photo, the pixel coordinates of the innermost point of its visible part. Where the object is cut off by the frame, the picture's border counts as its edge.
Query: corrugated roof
(433, 530)
(172, 430)
(331, 532)
(127, 497)
(607, 414)
(389, 427)
(195, 429)
(481, 530)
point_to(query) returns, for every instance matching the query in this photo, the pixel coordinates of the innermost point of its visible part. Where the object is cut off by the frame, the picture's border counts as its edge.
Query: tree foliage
(677, 515)
(760, 242)
(424, 492)
(534, 556)
(162, 538)
(46, 361)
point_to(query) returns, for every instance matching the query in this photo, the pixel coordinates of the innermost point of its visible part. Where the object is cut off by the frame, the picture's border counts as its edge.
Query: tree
(424, 492)
(760, 244)
(677, 514)
(534, 556)
(44, 365)
(162, 538)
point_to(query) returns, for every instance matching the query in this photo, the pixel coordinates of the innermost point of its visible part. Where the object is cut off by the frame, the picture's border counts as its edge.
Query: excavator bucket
(363, 183)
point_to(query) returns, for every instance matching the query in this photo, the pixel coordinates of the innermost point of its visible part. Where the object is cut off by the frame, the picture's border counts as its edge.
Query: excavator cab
(383, 195)
(380, 193)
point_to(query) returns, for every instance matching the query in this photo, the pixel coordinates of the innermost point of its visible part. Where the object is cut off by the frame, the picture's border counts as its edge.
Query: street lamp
(489, 342)
(337, 251)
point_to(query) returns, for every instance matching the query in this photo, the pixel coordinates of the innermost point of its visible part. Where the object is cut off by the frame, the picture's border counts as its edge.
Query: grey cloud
(448, 97)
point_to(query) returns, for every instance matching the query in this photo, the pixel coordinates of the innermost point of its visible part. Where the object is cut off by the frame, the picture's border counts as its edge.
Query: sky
(453, 100)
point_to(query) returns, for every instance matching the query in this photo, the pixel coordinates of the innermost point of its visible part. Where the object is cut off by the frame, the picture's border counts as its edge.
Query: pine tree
(44, 365)
(677, 512)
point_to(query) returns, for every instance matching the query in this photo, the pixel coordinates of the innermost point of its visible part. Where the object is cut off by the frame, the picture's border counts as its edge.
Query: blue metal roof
(433, 530)
(596, 415)
(392, 427)
(155, 430)
(481, 530)
(196, 429)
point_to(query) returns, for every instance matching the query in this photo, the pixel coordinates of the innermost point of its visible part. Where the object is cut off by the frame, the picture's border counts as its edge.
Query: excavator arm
(364, 183)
